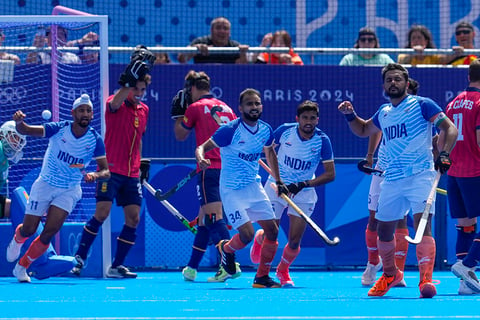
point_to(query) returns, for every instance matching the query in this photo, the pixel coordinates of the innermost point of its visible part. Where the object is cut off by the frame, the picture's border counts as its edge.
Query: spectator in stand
(420, 38)
(162, 57)
(367, 39)
(5, 55)
(280, 38)
(219, 37)
(90, 39)
(464, 35)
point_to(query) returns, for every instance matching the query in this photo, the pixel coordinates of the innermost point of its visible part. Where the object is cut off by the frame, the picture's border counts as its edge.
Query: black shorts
(208, 186)
(462, 197)
(125, 190)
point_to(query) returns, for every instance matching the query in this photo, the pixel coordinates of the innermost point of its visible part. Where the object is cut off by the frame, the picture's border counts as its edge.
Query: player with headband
(406, 122)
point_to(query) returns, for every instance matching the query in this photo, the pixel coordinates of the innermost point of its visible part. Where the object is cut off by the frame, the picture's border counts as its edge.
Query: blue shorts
(462, 197)
(208, 186)
(125, 190)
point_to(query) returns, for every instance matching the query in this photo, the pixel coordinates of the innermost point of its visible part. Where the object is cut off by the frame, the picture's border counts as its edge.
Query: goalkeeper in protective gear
(126, 122)
(11, 147)
(301, 148)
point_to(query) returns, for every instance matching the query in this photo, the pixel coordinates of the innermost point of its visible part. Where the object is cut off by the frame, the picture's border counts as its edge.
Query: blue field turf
(164, 295)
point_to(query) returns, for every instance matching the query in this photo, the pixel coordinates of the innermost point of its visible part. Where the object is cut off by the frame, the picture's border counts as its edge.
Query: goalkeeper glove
(141, 53)
(295, 188)
(133, 72)
(179, 104)
(144, 170)
(443, 162)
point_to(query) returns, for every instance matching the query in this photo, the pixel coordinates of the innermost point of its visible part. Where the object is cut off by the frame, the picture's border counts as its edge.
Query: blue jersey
(241, 147)
(65, 150)
(407, 133)
(298, 159)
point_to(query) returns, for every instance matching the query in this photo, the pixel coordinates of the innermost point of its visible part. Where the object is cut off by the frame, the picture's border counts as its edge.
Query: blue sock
(125, 241)
(199, 247)
(473, 256)
(464, 241)
(90, 231)
(219, 231)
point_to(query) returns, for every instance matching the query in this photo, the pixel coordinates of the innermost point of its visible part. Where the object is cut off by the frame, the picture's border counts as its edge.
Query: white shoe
(467, 275)
(464, 290)
(13, 250)
(370, 274)
(189, 274)
(20, 273)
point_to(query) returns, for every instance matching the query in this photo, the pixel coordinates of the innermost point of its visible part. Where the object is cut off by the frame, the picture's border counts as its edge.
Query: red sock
(387, 252)
(371, 238)
(259, 237)
(18, 236)
(234, 244)
(36, 249)
(288, 257)
(401, 248)
(426, 251)
(269, 248)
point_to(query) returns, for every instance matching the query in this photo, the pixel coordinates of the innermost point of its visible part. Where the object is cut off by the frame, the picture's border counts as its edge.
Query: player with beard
(406, 123)
(244, 199)
(57, 188)
(302, 146)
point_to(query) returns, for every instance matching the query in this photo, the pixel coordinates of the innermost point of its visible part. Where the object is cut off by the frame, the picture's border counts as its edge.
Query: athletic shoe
(79, 266)
(463, 290)
(370, 274)
(189, 274)
(384, 283)
(228, 259)
(285, 279)
(120, 272)
(265, 282)
(256, 248)
(466, 274)
(222, 275)
(13, 250)
(20, 273)
(427, 289)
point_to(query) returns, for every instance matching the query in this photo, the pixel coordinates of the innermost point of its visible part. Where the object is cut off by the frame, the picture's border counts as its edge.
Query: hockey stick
(169, 207)
(308, 220)
(426, 212)
(213, 113)
(164, 196)
(368, 170)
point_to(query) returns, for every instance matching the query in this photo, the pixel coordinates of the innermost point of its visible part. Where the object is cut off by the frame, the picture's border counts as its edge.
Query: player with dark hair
(241, 143)
(299, 142)
(401, 244)
(463, 180)
(126, 122)
(406, 123)
(198, 116)
(57, 189)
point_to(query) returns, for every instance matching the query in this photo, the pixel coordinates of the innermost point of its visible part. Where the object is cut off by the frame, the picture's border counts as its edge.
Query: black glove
(134, 71)
(281, 188)
(144, 170)
(141, 53)
(295, 188)
(443, 162)
(179, 104)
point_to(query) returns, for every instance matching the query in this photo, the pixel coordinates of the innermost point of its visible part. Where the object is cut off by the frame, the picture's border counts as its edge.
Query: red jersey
(123, 136)
(464, 111)
(198, 116)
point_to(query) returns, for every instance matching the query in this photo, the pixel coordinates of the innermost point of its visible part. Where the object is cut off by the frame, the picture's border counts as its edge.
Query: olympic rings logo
(12, 95)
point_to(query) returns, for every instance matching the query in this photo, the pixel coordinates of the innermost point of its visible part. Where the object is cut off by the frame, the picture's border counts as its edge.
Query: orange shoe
(427, 289)
(256, 248)
(384, 283)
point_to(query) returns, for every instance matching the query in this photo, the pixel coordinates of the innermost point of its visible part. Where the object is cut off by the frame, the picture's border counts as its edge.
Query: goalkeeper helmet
(12, 141)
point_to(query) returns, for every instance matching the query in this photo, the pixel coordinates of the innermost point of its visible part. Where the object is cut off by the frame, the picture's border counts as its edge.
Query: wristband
(350, 116)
